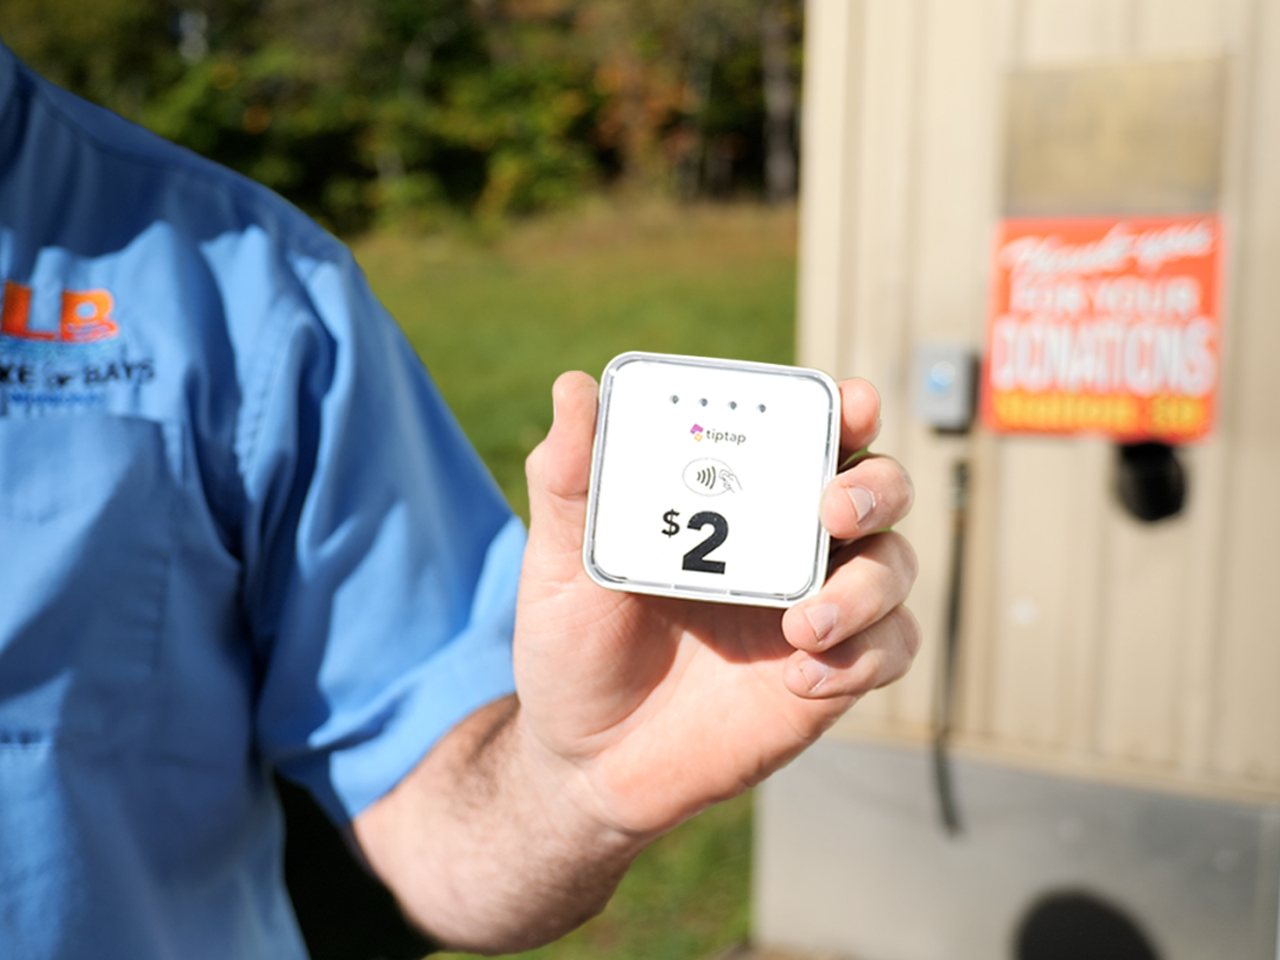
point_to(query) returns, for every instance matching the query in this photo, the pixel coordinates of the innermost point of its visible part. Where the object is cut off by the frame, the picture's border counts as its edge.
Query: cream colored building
(1110, 674)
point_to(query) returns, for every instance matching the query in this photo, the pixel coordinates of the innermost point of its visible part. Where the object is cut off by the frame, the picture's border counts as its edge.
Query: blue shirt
(238, 530)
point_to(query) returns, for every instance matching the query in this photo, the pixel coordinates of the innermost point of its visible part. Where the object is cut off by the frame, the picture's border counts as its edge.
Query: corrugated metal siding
(1091, 641)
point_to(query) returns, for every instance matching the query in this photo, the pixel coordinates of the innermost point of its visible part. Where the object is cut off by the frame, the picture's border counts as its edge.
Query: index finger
(860, 415)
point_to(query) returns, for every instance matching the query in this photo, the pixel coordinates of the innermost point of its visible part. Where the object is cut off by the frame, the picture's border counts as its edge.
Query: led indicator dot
(674, 398)
(733, 405)
(761, 408)
(703, 401)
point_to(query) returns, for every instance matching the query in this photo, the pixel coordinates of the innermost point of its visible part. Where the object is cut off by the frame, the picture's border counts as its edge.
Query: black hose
(944, 704)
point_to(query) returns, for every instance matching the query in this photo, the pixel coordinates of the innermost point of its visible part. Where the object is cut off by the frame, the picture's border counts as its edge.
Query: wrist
(574, 806)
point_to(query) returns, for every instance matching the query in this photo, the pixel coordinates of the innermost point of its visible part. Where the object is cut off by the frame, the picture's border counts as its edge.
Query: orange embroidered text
(86, 316)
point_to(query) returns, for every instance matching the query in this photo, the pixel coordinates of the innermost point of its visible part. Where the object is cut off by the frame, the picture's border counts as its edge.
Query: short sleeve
(381, 561)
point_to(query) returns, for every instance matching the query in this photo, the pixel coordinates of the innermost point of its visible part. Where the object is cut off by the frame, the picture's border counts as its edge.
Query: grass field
(495, 324)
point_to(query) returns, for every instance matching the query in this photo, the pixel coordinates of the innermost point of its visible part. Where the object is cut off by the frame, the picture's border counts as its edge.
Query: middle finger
(873, 494)
(870, 578)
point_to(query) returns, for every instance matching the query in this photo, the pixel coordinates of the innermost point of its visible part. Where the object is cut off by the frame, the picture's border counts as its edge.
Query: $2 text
(696, 559)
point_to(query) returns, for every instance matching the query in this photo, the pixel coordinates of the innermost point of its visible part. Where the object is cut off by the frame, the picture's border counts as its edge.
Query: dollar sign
(670, 519)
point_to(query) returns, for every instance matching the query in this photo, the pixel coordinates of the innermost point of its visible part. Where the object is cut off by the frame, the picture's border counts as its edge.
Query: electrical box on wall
(944, 384)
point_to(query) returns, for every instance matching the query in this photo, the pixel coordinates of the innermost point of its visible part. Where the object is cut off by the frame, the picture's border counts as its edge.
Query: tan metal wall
(1091, 642)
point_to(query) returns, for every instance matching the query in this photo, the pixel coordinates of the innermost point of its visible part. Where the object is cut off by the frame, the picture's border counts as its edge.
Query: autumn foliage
(364, 111)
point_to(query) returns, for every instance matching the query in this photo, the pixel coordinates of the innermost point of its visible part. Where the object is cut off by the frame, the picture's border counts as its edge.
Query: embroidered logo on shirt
(86, 316)
(78, 364)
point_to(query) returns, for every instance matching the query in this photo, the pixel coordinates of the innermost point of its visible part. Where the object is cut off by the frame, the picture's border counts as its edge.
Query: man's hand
(662, 706)
(635, 712)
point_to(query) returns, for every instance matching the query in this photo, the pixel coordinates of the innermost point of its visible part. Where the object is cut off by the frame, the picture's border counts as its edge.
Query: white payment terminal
(707, 479)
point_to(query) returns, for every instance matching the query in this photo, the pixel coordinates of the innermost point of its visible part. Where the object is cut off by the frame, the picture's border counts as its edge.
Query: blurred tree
(696, 88)
(778, 39)
(365, 111)
(115, 52)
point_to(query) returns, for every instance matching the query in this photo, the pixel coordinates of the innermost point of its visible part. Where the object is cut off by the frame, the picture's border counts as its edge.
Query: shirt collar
(8, 68)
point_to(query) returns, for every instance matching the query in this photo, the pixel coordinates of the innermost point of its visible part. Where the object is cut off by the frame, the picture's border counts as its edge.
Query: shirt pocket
(86, 538)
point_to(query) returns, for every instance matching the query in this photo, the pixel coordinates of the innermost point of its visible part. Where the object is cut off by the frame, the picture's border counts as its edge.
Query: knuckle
(910, 632)
(911, 560)
(903, 645)
(895, 492)
(864, 610)
(911, 490)
(534, 463)
(894, 551)
(902, 489)
(867, 672)
(882, 654)
(902, 556)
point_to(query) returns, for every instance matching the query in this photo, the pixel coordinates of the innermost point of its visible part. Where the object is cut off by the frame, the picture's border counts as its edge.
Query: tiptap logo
(701, 433)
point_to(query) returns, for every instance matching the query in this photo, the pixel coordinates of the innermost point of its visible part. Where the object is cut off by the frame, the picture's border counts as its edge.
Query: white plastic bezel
(795, 482)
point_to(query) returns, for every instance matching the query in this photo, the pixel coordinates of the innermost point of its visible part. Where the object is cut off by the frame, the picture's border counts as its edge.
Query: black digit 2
(695, 559)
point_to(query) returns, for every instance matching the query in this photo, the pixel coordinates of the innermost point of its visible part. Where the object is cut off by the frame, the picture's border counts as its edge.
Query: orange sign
(1104, 326)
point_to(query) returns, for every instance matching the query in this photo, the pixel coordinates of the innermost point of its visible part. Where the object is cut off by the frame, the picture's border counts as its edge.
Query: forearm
(486, 843)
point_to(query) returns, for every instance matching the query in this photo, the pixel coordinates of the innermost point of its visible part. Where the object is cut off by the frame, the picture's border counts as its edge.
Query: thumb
(558, 471)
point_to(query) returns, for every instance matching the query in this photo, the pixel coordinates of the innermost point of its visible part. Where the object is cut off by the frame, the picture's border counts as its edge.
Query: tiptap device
(707, 479)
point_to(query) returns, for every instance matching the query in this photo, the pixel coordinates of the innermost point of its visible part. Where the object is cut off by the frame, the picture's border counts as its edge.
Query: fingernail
(815, 674)
(822, 619)
(864, 501)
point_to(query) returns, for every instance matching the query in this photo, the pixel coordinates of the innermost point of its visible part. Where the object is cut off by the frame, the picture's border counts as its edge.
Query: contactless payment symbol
(710, 478)
(723, 507)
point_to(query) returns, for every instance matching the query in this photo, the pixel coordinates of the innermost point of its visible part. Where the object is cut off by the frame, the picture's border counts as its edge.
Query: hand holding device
(651, 707)
(634, 711)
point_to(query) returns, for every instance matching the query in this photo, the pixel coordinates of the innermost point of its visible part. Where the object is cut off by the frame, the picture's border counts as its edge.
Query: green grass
(686, 897)
(495, 324)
